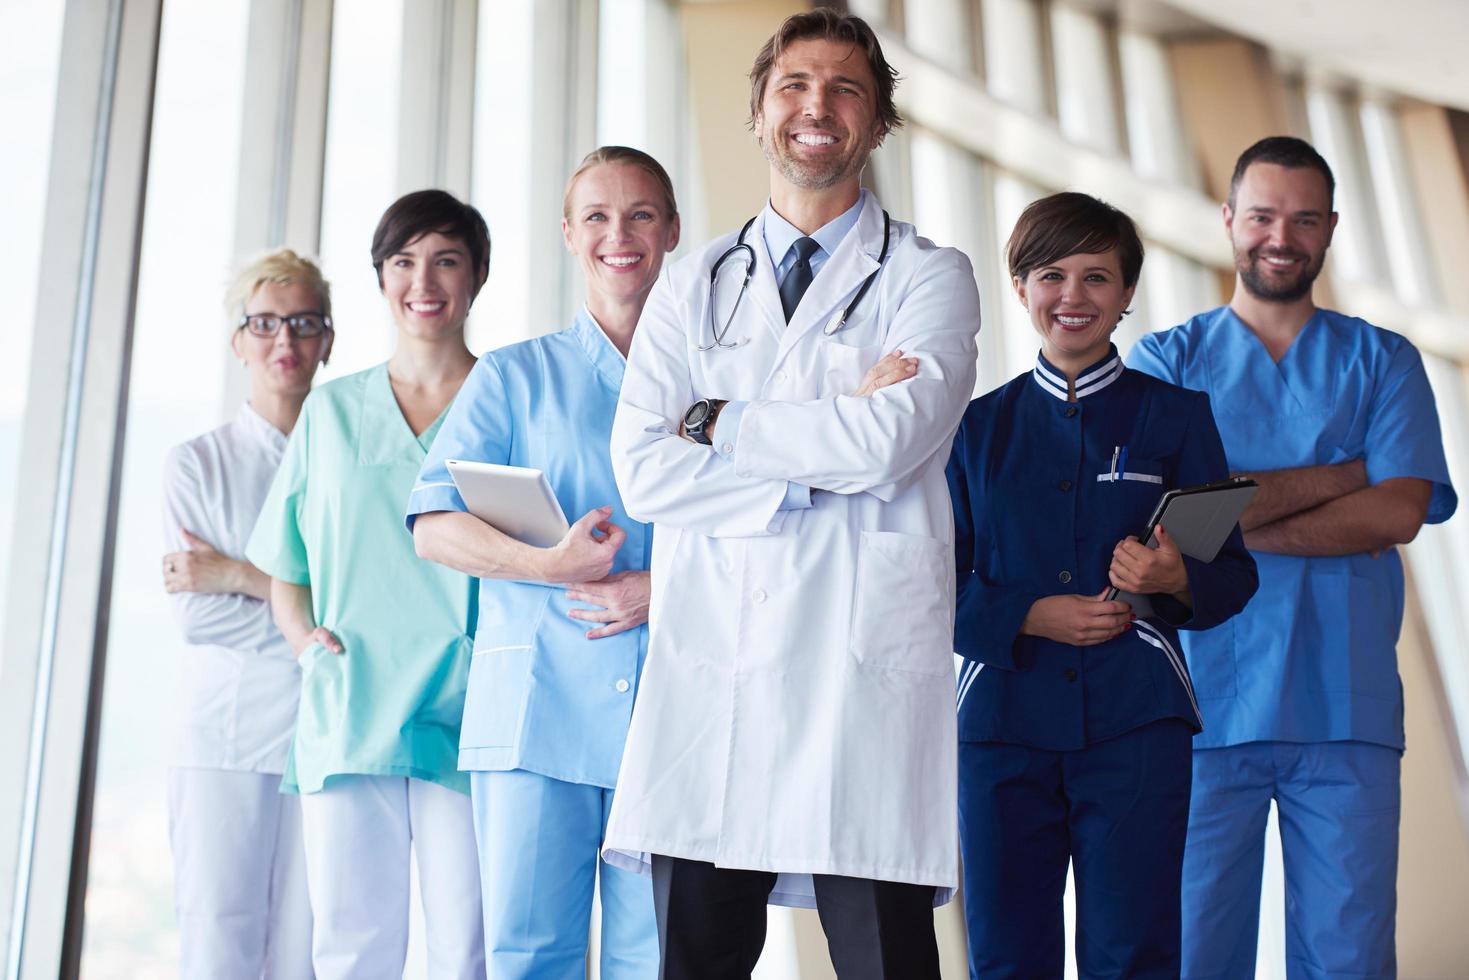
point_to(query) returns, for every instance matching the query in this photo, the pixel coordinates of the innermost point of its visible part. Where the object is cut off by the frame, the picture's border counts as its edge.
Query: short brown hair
(827, 24)
(631, 157)
(1068, 223)
(421, 213)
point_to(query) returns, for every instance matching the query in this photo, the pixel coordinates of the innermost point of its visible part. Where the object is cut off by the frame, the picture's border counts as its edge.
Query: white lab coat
(240, 683)
(796, 711)
(239, 867)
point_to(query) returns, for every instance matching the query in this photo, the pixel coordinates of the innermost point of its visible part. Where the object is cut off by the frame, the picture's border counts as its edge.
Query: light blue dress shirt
(542, 697)
(1312, 658)
(780, 239)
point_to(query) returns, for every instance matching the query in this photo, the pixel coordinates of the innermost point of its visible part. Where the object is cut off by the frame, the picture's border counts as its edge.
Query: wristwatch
(699, 416)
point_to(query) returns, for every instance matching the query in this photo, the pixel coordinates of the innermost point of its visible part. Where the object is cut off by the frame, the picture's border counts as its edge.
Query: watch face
(697, 414)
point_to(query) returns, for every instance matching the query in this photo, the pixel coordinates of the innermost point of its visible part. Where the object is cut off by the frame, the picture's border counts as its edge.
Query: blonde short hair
(281, 267)
(631, 157)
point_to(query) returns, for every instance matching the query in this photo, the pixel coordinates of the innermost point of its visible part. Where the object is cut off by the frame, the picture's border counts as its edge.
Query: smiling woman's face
(618, 226)
(1074, 305)
(429, 284)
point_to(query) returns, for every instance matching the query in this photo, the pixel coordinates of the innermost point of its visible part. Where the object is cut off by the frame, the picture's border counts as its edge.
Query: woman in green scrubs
(383, 638)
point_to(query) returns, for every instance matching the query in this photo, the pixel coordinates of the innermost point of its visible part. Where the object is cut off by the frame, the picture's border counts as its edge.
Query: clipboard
(1198, 519)
(514, 500)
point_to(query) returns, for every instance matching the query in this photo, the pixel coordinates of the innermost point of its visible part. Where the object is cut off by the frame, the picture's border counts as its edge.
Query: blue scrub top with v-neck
(1312, 658)
(542, 697)
(391, 702)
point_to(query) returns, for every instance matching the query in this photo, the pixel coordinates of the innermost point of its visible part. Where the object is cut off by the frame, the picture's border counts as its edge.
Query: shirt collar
(599, 348)
(1096, 377)
(780, 234)
(259, 428)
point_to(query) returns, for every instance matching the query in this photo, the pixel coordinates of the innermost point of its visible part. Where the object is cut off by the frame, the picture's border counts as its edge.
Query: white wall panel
(1016, 65)
(1087, 104)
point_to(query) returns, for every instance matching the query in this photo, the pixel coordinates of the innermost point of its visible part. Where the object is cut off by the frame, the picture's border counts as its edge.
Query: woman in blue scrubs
(1076, 717)
(562, 630)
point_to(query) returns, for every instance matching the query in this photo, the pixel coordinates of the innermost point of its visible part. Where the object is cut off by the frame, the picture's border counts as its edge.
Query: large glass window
(1439, 556)
(1020, 343)
(502, 171)
(361, 165)
(30, 53)
(180, 341)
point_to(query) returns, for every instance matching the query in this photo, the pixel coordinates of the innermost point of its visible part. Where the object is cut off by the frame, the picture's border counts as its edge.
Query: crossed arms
(843, 444)
(1331, 510)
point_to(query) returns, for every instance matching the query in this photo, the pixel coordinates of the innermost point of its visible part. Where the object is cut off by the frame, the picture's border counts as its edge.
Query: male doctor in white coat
(794, 735)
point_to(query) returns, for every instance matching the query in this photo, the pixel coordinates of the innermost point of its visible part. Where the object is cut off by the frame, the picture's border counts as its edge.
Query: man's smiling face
(1280, 226)
(818, 117)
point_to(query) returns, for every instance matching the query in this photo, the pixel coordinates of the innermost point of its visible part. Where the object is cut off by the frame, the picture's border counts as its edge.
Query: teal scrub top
(390, 704)
(1313, 656)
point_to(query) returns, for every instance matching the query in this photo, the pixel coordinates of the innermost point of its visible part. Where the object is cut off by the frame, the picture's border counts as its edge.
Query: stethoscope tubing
(717, 334)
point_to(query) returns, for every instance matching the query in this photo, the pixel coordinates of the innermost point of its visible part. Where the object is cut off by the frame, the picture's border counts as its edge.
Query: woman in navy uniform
(1075, 716)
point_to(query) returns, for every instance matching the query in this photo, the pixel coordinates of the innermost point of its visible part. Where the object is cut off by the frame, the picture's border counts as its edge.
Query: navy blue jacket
(1037, 512)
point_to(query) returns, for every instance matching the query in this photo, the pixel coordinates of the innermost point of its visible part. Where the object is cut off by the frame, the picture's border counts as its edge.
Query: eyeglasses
(301, 325)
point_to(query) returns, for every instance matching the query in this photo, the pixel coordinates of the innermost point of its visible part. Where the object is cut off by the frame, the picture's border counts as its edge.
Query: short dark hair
(1283, 151)
(826, 24)
(1067, 223)
(420, 213)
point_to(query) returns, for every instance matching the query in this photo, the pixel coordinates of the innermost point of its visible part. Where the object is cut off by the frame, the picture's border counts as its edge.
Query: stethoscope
(718, 334)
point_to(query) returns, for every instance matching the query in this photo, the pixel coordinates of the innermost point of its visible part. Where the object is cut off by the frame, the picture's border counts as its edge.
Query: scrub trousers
(1338, 806)
(360, 831)
(539, 841)
(239, 875)
(1117, 811)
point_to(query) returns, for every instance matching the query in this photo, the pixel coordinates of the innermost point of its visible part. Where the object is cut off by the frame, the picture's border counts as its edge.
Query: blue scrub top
(1313, 657)
(1038, 512)
(542, 697)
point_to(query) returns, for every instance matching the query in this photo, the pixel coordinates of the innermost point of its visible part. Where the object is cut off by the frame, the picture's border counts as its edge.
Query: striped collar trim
(1088, 383)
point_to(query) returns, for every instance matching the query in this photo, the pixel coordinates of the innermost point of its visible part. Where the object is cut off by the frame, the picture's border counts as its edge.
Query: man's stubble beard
(1260, 288)
(800, 175)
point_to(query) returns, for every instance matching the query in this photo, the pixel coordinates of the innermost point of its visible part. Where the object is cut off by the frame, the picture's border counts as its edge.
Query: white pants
(239, 876)
(359, 831)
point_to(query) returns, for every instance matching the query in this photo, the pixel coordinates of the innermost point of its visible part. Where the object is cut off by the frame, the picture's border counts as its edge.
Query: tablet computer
(1198, 519)
(515, 500)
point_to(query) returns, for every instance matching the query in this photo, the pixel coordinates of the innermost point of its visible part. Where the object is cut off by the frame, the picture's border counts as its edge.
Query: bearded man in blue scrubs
(1334, 418)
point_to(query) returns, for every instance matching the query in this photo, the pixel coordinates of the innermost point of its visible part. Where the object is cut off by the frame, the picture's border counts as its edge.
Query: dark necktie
(798, 278)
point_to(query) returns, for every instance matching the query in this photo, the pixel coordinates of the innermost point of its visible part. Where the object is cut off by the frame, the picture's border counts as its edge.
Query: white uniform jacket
(796, 712)
(240, 680)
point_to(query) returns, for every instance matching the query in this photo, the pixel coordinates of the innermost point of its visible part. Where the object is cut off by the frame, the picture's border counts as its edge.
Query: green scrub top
(390, 704)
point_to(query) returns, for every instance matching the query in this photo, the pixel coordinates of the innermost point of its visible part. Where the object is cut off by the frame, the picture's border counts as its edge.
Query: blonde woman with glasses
(239, 872)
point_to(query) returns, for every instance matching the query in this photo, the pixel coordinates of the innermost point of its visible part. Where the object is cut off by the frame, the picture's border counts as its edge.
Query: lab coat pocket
(843, 367)
(903, 613)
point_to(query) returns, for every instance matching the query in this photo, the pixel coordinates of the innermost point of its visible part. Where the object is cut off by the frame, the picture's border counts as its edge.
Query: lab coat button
(1070, 674)
(1064, 577)
(780, 376)
(1071, 411)
(728, 448)
(622, 686)
(1064, 485)
(758, 595)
